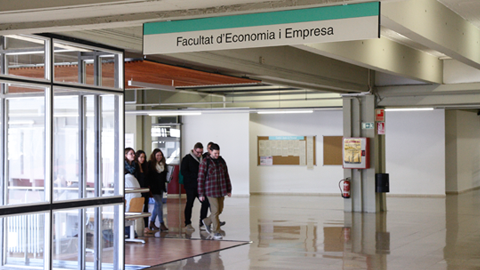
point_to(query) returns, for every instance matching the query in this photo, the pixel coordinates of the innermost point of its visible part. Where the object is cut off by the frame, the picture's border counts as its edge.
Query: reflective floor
(307, 232)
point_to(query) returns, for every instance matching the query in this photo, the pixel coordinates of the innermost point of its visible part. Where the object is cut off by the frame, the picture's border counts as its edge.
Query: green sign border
(265, 18)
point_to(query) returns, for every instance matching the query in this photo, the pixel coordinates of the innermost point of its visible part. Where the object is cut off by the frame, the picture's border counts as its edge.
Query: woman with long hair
(157, 177)
(141, 175)
(130, 161)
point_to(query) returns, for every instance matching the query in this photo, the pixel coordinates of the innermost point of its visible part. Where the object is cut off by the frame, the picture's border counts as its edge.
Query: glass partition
(61, 162)
(66, 146)
(24, 56)
(24, 240)
(25, 147)
(76, 239)
(78, 64)
(109, 140)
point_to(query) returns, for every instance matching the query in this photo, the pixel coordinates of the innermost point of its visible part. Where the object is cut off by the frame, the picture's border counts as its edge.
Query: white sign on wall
(290, 27)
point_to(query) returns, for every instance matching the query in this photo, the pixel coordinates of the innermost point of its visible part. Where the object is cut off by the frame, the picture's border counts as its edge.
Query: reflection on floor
(158, 251)
(307, 232)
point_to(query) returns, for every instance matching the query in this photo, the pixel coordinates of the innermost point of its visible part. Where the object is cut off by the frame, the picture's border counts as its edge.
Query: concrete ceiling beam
(433, 25)
(383, 55)
(285, 65)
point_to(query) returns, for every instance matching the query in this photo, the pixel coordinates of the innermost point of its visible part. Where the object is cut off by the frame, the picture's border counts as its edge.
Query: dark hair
(138, 153)
(128, 149)
(209, 145)
(153, 160)
(198, 145)
(214, 146)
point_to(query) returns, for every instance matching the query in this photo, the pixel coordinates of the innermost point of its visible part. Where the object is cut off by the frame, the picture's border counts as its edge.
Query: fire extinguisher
(345, 187)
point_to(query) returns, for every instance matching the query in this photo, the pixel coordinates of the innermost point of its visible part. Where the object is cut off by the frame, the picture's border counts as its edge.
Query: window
(61, 162)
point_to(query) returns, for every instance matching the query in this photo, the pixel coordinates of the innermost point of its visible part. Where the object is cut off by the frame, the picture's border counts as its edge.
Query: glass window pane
(24, 240)
(75, 234)
(25, 149)
(109, 143)
(66, 149)
(25, 56)
(85, 65)
(108, 70)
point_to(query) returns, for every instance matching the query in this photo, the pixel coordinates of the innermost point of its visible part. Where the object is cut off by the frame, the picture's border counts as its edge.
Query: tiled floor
(307, 232)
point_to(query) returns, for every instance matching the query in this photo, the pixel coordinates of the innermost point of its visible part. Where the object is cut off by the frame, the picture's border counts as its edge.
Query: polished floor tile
(308, 232)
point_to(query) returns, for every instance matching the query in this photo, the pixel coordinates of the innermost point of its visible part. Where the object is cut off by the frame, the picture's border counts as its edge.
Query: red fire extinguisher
(345, 187)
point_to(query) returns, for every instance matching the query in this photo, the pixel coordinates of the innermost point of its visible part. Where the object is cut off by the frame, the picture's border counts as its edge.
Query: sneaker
(217, 236)
(202, 227)
(222, 223)
(190, 228)
(207, 227)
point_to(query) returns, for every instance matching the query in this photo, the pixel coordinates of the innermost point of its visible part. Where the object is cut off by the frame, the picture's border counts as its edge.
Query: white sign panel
(315, 25)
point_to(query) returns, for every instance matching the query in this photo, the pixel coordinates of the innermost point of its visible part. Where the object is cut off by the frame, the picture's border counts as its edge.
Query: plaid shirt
(216, 182)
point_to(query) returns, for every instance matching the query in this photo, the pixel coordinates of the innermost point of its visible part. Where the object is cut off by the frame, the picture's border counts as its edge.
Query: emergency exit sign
(367, 125)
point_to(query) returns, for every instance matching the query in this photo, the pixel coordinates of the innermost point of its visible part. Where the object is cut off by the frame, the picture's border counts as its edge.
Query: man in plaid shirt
(214, 183)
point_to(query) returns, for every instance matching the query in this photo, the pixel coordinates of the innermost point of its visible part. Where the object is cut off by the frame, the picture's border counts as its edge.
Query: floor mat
(158, 251)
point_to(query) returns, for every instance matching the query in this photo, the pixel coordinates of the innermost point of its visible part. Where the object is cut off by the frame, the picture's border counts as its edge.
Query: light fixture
(284, 111)
(407, 109)
(173, 113)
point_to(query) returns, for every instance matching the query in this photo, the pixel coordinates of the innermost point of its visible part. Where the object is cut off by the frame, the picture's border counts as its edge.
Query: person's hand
(229, 194)
(201, 198)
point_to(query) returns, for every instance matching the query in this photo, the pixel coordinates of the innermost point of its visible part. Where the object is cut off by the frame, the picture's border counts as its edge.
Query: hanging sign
(290, 27)
(380, 115)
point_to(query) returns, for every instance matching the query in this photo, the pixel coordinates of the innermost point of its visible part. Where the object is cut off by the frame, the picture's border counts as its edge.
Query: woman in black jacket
(141, 175)
(156, 178)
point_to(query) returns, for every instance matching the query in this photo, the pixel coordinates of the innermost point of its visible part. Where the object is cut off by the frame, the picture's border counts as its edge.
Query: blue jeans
(158, 208)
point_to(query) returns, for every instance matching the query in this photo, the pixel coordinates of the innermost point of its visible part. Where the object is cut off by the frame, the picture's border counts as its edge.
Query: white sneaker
(190, 228)
(217, 236)
(207, 227)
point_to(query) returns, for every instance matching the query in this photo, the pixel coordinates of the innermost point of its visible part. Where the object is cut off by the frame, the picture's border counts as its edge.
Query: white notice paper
(310, 152)
(266, 161)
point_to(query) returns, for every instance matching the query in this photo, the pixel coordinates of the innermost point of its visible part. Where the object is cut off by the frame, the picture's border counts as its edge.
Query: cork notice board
(332, 150)
(286, 150)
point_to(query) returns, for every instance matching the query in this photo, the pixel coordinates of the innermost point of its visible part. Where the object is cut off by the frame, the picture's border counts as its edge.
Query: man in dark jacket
(189, 171)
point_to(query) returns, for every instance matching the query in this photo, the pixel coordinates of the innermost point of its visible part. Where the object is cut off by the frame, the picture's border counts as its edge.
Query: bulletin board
(332, 150)
(286, 150)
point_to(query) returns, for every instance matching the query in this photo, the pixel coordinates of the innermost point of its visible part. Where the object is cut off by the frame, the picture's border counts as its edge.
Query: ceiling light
(284, 111)
(408, 109)
(173, 113)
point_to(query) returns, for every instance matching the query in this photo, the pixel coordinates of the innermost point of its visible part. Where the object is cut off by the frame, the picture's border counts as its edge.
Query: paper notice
(310, 152)
(266, 161)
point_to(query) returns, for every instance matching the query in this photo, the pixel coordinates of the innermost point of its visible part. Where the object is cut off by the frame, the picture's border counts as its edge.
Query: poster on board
(356, 153)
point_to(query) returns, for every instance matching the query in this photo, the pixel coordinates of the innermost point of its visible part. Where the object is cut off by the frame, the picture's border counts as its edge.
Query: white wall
(463, 150)
(295, 179)
(415, 152)
(230, 131)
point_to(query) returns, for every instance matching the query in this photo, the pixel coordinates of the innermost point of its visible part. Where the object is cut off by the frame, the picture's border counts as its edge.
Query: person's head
(214, 151)
(198, 149)
(208, 147)
(141, 156)
(157, 157)
(129, 154)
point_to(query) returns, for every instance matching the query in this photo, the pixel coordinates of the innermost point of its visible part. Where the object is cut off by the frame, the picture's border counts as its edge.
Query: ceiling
(422, 38)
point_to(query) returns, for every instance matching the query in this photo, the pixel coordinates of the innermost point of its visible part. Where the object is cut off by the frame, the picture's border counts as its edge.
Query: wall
(230, 131)
(287, 179)
(462, 150)
(415, 152)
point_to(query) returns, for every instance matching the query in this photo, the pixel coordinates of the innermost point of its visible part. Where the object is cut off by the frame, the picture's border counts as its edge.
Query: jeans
(191, 195)
(158, 208)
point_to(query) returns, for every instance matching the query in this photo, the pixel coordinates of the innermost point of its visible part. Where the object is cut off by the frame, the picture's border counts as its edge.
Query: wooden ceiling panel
(138, 71)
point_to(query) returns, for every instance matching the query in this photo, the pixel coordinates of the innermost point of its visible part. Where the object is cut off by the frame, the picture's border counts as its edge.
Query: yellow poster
(352, 151)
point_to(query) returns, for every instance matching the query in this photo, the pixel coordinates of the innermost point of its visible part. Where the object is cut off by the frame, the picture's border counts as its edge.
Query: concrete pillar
(357, 110)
